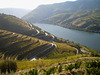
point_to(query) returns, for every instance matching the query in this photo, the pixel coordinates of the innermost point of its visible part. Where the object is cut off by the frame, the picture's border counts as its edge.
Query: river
(89, 39)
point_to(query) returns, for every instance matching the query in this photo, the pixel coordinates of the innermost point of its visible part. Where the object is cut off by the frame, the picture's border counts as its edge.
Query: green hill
(14, 24)
(80, 14)
(17, 47)
(43, 12)
(19, 40)
(86, 20)
(22, 40)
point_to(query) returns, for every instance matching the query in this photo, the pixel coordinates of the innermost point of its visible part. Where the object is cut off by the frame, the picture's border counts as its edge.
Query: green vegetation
(38, 14)
(22, 47)
(62, 50)
(26, 64)
(13, 23)
(48, 54)
(17, 25)
(75, 68)
(86, 20)
(60, 68)
(93, 68)
(71, 66)
(8, 66)
(32, 72)
(16, 46)
(61, 65)
(79, 14)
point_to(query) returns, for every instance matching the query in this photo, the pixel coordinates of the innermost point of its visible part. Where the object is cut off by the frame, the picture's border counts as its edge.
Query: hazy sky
(27, 4)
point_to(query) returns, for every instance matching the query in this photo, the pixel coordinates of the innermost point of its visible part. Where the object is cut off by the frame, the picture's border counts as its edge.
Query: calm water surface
(89, 39)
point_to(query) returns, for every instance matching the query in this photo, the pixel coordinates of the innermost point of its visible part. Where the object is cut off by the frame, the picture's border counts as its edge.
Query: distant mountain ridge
(45, 11)
(87, 20)
(59, 14)
(15, 11)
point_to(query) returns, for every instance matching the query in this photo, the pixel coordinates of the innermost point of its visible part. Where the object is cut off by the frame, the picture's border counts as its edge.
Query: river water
(89, 39)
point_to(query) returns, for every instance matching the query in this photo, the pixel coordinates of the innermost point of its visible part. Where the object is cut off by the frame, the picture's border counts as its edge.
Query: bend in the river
(89, 39)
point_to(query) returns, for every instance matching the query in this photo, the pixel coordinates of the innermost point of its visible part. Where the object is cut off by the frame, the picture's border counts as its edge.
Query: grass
(39, 64)
(42, 63)
(79, 67)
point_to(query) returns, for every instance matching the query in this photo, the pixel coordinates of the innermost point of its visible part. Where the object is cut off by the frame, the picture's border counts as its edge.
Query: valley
(20, 40)
(89, 39)
(78, 15)
(84, 21)
(52, 39)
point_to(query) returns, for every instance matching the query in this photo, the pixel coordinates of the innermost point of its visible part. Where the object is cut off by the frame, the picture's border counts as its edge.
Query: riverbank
(89, 39)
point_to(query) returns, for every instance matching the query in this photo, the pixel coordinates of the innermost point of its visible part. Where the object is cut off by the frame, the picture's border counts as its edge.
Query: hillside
(18, 47)
(22, 40)
(87, 20)
(14, 24)
(38, 14)
(15, 11)
(26, 49)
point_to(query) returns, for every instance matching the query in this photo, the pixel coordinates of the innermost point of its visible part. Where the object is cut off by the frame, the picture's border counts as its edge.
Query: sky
(27, 4)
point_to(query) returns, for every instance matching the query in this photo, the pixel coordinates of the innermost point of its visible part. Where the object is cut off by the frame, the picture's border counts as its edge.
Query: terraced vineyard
(17, 46)
(14, 24)
(21, 40)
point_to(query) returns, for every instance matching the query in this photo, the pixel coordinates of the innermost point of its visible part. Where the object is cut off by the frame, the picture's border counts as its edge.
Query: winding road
(38, 32)
(31, 26)
(46, 34)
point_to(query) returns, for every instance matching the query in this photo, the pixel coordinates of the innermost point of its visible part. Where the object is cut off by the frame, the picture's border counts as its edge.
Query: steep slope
(45, 11)
(15, 11)
(18, 46)
(14, 24)
(86, 20)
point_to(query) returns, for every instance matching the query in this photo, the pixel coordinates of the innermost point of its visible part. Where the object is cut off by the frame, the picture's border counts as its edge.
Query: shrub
(92, 68)
(49, 71)
(77, 65)
(33, 72)
(53, 70)
(60, 69)
(8, 66)
(69, 67)
(46, 72)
